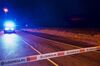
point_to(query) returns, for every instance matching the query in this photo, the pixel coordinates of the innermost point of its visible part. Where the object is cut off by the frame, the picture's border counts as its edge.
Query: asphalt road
(24, 44)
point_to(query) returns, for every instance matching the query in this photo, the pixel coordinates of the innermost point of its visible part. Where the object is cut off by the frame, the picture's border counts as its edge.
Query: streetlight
(5, 10)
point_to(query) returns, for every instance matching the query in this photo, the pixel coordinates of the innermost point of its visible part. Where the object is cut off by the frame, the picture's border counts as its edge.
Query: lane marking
(59, 42)
(62, 43)
(47, 56)
(39, 52)
(9, 54)
(55, 41)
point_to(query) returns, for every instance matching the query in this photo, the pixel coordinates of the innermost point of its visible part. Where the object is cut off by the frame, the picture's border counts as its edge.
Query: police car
(9, 27)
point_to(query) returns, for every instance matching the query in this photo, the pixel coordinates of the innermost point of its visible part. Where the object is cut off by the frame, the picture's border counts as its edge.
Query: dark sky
(54, 13)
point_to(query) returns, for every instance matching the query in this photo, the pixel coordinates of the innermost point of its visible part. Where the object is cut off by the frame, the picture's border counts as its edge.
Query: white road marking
(62, 43)
(40, 53)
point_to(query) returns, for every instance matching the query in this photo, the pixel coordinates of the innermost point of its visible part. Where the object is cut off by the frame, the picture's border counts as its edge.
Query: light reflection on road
(10, 40)
(10, 43)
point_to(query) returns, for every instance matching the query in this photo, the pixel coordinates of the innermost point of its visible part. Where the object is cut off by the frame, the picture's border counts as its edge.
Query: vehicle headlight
(6, 28)
(12, 28)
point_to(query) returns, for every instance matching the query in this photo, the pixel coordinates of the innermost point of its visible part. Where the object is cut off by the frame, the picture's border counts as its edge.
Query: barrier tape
(46, 56)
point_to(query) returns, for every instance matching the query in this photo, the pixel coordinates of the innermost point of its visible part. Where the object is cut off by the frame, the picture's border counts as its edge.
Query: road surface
(24, 44)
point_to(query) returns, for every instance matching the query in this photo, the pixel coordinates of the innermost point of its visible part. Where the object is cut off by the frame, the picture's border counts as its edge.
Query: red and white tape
(46, 56)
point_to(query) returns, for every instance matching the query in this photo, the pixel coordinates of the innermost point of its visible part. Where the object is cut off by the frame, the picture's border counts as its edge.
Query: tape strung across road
(46, 56)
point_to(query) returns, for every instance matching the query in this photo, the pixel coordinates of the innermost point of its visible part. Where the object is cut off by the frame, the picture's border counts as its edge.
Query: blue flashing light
(9, 24)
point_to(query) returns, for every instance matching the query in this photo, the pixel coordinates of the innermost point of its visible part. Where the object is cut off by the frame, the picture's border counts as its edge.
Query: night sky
(53, 13)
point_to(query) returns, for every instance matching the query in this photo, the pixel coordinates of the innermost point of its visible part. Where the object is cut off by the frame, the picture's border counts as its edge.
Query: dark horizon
(52, 13)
